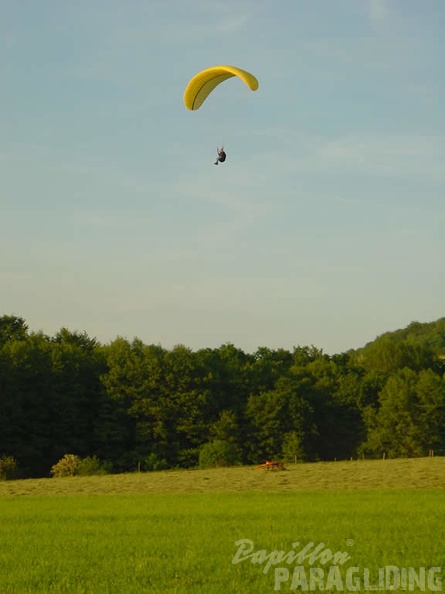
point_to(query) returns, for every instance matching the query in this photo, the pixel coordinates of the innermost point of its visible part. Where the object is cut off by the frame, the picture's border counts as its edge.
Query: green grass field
(176, 531)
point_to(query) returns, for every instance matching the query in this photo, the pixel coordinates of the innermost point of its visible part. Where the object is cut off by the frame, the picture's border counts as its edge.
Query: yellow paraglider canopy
(203, 83)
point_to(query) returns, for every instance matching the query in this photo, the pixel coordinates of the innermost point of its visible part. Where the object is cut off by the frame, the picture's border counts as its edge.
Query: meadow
(175, 531)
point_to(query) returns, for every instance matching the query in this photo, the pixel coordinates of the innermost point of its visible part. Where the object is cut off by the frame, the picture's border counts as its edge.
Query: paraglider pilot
(221, 155)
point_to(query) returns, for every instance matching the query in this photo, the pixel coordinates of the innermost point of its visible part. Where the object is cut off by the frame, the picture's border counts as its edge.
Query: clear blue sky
(326, 224)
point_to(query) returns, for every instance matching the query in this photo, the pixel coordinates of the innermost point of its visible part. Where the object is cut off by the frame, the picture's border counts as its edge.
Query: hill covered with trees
(137, 405)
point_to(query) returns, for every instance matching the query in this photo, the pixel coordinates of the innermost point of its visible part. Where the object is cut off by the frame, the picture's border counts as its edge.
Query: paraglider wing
(203, 83)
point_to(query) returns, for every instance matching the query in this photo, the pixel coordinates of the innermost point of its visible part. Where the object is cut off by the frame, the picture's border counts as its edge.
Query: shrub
(218, 453)
(91, 465)
(66, 466)
(8, 467)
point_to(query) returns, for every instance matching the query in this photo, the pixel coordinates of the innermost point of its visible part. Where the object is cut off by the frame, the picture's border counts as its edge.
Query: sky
(324, 227)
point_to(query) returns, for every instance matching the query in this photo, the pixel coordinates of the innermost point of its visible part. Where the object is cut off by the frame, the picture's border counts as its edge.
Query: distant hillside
(431, 335)
(418, 346)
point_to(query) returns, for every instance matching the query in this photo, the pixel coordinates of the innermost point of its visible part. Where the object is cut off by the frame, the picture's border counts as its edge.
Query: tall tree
(25, 399)
(12, 328)
(410, 418)
(274, 414)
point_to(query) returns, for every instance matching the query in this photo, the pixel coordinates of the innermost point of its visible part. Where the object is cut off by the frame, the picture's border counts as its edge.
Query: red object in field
(271, 465)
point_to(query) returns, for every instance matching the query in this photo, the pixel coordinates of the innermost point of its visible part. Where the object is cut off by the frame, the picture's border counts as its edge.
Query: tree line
(135, 405)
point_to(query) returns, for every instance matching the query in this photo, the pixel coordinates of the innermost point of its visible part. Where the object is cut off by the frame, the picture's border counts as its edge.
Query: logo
(309, 567)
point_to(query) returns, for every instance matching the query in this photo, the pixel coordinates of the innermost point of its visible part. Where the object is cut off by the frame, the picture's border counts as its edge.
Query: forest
(137, 406)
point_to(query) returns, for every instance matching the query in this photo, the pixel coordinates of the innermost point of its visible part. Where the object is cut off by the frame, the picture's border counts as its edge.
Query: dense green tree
(26, 399)
(136, 418)
(388, 355)
(77, 364)
(226, 427)
(410, 418)
(12, 328)
(230, 369)
(267, 367)
(275, 413)
(191, 405)
(430, 390)
(292, 448)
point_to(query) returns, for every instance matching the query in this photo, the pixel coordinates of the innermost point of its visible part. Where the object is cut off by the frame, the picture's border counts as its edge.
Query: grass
(414, 473)
(176, 531)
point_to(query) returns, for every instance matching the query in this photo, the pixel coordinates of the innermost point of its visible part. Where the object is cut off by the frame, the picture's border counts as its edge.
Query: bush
(218, 453)
(8, 467)
(91, 465)
(72, 465)
(66, 466)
